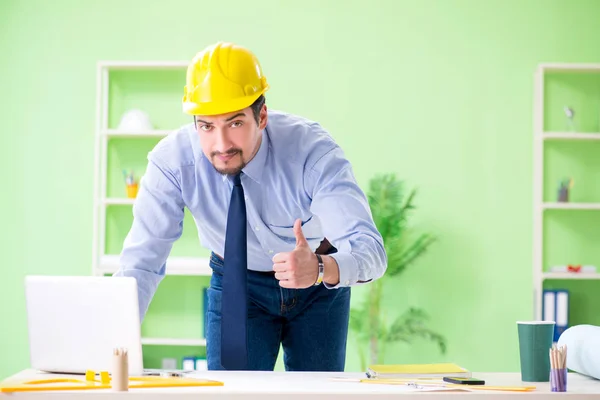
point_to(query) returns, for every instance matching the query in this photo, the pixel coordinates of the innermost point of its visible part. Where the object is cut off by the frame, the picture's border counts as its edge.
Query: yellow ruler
(90, 383)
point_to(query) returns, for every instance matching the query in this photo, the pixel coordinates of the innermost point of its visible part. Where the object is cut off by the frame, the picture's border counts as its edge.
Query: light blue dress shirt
(298, 172)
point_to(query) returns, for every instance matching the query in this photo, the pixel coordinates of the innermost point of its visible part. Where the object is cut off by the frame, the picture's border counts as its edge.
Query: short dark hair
(257, 106)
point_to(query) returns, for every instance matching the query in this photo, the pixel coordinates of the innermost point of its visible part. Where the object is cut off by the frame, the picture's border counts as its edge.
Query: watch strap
(321, 270)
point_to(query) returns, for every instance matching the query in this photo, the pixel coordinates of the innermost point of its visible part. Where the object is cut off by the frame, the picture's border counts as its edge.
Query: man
(276, 202)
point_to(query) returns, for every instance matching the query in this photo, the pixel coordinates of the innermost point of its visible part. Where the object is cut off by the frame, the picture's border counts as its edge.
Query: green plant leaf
(391, 206)
(390, 212)
(413, 324)
(385, 200)
(402, 256)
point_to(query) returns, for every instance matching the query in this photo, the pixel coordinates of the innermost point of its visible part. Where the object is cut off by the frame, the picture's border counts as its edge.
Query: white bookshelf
(107, 264)
(540, 138)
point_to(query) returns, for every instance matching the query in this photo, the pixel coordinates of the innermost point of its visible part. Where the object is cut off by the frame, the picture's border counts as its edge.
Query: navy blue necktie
(234, 309)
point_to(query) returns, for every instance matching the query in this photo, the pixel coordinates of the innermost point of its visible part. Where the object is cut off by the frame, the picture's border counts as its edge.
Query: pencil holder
(120, 371)
(558, 379)
(563, 195)
(132, 190)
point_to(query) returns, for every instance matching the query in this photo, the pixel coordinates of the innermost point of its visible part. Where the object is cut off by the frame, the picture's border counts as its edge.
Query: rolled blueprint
(583, 349)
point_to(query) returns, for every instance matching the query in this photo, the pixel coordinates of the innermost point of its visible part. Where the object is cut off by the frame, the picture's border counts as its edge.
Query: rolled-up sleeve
(158, 214)
(346, 218)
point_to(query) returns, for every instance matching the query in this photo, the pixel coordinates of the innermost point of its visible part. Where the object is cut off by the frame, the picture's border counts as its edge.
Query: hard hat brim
(221, 107)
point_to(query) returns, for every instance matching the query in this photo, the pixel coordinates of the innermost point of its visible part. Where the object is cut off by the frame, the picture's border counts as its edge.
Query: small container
(132, 190)
(563, 195)
(120, 370)
(558, 380)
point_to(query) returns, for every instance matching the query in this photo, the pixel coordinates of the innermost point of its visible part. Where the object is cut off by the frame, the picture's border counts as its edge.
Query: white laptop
(75, 322)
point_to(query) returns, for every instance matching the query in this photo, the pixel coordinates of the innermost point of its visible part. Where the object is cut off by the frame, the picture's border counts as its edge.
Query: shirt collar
(254, 169)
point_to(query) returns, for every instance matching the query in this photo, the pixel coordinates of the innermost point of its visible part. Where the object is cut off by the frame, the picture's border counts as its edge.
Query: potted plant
(390, 207)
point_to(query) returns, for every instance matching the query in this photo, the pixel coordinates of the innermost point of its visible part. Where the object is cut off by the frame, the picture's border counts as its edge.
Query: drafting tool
(437, 383)
(90, 383)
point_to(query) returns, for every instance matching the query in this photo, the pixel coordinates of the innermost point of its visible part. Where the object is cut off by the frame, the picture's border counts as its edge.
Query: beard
(232, 166)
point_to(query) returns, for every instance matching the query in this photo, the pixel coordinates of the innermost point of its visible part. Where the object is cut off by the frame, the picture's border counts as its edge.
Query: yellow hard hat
(222, 78)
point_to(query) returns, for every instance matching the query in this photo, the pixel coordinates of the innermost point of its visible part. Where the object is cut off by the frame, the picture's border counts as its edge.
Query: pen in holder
(558, 369)
(120, 370)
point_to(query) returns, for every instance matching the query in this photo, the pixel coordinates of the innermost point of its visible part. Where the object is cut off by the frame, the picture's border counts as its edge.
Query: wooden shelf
(118, 201)
(109, 264)
(571, 136)
(570, 67)
(570, 275)
(571, 206)
(132, 134)
(173, 342)
(143, 64)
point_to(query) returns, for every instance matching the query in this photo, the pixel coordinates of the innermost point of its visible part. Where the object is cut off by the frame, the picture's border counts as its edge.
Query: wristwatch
(321, 270)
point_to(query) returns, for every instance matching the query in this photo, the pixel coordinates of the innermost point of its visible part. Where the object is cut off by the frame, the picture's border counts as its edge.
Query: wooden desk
(313, 386)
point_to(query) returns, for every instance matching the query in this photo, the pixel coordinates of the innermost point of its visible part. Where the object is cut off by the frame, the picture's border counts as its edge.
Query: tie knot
(237, 179)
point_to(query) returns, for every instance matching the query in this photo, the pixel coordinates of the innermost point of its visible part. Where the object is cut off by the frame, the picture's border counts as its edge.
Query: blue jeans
(310, 324)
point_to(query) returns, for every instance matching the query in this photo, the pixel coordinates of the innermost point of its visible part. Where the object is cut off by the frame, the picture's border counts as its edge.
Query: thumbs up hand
(299, 268)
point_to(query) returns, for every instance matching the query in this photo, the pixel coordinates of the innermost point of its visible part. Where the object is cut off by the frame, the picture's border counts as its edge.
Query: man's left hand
(299, 268)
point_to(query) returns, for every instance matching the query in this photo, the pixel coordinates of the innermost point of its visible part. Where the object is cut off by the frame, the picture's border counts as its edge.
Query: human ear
(263, 117)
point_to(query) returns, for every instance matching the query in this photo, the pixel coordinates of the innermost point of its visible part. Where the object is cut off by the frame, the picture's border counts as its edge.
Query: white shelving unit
(540, 138)
(109, 263)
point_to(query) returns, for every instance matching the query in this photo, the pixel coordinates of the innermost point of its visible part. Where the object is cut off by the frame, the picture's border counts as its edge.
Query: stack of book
(417, 371)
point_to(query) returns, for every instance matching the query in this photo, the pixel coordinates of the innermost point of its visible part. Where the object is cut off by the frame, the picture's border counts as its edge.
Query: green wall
(438, 91)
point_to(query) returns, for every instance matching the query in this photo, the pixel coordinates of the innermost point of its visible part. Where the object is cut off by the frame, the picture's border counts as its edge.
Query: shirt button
(245, 197)
(270, 251)
(347, 282)
(256, 228)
